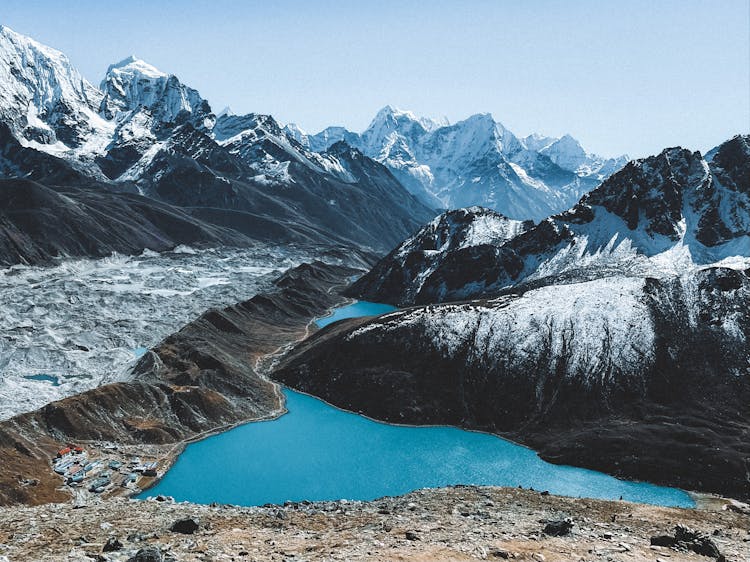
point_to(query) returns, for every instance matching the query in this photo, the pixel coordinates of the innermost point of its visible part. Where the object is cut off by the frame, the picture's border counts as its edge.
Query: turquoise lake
(359, 308)
(318, 452)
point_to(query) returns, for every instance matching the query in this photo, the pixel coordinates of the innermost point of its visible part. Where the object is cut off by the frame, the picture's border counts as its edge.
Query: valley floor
(462, 523)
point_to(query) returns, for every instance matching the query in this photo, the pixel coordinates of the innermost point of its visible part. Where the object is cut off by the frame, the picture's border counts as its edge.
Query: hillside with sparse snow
(613, 336)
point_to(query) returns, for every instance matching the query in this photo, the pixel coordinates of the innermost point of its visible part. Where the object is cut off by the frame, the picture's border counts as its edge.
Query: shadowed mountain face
(657, 215)
(146, 132)
(39, 223)
(55, 210)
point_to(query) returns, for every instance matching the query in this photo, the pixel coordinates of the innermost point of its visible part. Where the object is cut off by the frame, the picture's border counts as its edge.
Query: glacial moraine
(84, 322)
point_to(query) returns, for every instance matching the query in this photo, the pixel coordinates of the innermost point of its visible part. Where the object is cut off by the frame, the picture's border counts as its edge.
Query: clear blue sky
(623, 77)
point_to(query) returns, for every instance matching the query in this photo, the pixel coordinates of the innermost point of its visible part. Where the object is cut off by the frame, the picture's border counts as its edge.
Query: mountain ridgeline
(247, 179)
(657, 215)
(476, 161)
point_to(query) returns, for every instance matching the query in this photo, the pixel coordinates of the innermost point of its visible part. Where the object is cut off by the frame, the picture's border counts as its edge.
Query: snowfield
(83, 322)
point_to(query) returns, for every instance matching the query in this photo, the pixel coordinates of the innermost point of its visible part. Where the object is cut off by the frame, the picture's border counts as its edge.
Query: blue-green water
(359, 308)
(318, 452)
(52, 379)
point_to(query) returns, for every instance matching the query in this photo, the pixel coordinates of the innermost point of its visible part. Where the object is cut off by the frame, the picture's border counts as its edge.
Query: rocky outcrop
(463, 523)
(203, 378)
(458, 249)
(642, 378)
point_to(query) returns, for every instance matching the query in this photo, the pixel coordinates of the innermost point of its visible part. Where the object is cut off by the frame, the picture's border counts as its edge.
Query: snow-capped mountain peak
(292, 130)
(226, 111)
(537, 142)
(390, 117)
(132, 84)
(476, 161)
(566, 152)
(133, 65)
(44, 99)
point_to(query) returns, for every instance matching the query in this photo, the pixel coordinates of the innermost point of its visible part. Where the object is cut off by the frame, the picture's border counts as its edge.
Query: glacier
(85, 321)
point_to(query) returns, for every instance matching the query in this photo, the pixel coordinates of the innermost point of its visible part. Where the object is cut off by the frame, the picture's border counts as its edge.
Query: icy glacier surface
(82, 323)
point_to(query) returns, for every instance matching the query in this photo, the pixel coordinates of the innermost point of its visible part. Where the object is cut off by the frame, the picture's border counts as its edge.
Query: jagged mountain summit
(656, 216)
(133, 84)
(45, 101)
(145, 131)
(476, 161)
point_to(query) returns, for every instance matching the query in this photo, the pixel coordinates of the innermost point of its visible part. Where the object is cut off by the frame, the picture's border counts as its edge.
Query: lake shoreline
(703, 501)
(196, 382)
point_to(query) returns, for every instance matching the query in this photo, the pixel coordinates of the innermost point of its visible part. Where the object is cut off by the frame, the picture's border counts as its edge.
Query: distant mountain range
(476, 161)
(245, 177)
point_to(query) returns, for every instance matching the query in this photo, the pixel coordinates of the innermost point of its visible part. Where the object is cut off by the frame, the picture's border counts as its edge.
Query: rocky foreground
(463, 523)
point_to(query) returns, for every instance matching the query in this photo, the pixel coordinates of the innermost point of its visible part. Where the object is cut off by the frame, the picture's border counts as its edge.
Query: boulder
(147, 554)
(558, 528)
(112, 545)
(689, 539)
(663, 540)
(186, 526)
(412, 536)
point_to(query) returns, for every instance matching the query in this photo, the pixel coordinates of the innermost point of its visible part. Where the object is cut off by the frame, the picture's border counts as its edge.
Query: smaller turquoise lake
(318, 452)
(359, 308)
